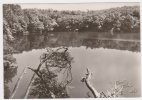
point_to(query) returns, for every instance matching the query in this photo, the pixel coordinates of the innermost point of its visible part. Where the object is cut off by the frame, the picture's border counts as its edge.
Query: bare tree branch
(37, 71)
(87, 79)
(29, 86)
(18, 83)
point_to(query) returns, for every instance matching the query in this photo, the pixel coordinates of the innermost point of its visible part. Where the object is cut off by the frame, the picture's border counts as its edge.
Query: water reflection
(120, 41)
(105, 63)
(84, 49)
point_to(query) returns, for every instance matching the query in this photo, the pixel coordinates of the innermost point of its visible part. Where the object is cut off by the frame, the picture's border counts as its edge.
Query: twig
(37, 73)
(103, 95)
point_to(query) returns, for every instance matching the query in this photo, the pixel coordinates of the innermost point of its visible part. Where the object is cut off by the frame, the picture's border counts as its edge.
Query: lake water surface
(108, 64)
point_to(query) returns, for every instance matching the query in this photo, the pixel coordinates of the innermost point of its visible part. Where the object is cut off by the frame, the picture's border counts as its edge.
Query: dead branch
(87, 79)
(18, 83)
(103, 95)
(29, 86)
(37, 72)
(32, 79)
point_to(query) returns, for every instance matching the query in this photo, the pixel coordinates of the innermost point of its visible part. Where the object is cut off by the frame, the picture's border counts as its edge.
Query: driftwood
(20, 78)
(29, 86)
(87, 79)
(113, 93)
(36, 72)
(32, 79)
(18, 83)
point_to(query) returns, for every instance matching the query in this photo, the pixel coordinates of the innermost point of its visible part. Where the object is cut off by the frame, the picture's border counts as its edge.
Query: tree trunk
(89, 85)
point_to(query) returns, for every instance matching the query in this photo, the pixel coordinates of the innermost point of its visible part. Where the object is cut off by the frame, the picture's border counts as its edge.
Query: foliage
(14, 23)
(17, 21)
(41, 90)
(10, 70)
(49, 83)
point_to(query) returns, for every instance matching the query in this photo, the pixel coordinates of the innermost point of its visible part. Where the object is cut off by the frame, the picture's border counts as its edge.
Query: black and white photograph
(71, 50)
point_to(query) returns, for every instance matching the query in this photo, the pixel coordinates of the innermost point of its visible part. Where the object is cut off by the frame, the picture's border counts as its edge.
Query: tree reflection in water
(54, 74)
(10, 70)
(27, 43)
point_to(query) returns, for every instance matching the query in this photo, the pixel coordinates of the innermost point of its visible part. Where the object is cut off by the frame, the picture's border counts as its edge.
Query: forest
(18, 21)
(28, 29)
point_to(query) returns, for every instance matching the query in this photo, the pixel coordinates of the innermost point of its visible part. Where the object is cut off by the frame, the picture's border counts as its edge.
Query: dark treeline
(22, 27)
(17, 21)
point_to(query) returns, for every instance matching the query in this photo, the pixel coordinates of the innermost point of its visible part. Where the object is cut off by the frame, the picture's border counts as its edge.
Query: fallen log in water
(32, 79)
(50, 54)
(115, 91)
(86, 79)
(29, 87)
(18, 83)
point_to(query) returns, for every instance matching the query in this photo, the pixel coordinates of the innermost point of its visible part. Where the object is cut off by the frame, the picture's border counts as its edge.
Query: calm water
(108, 64)
(109, 61)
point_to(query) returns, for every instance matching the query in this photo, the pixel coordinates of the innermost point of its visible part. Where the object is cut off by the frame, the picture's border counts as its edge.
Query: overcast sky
(83, 7)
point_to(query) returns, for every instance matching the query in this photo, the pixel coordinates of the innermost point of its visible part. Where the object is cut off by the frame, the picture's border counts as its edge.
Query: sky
(81, 6)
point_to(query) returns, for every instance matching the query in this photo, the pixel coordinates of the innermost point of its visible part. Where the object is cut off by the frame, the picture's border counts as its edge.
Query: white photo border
(58, 1)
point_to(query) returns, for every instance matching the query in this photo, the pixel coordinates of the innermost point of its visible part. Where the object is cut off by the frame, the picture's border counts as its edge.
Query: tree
(13, 14)
(136, 14)
(10, 70)
(127, 24)
(46, 84)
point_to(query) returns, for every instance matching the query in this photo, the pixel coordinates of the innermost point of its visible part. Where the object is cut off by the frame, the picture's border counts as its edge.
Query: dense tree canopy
(36, 23)
(18, 21)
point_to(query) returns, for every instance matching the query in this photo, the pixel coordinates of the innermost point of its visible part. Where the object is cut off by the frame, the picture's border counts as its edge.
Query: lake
(109, 59)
